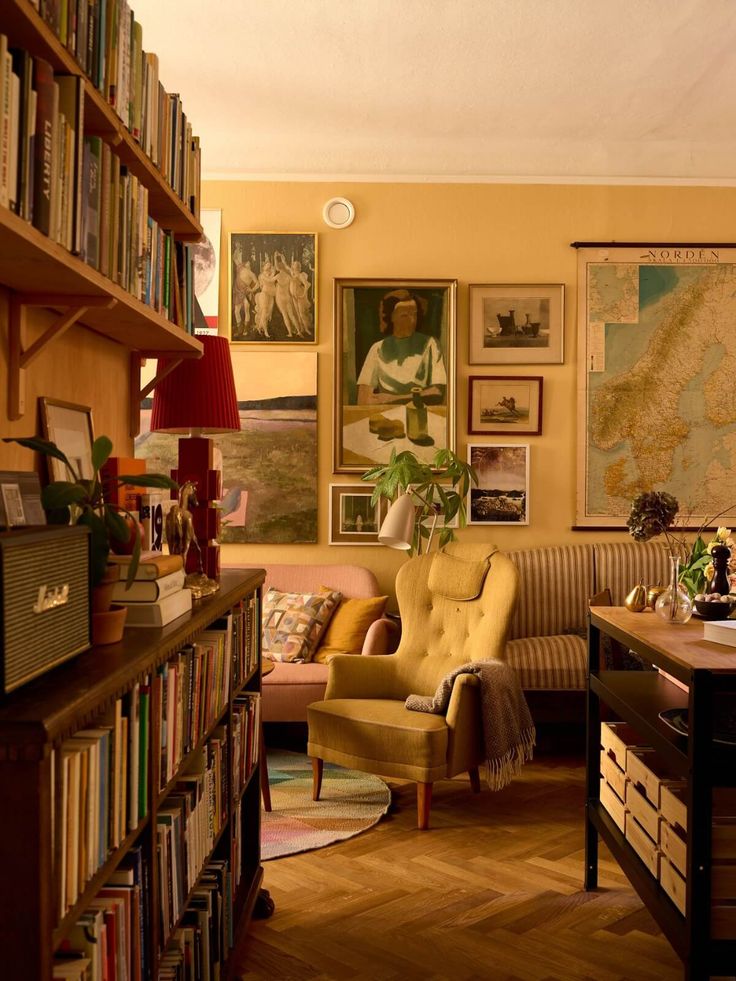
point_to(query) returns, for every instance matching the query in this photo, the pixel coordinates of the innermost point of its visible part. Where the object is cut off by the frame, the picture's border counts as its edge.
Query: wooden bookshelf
(35, 721)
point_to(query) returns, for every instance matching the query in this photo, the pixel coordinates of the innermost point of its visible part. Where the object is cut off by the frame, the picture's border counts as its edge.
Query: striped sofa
(547, 642)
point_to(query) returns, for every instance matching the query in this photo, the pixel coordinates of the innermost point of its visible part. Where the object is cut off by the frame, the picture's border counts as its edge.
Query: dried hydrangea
(652, 513)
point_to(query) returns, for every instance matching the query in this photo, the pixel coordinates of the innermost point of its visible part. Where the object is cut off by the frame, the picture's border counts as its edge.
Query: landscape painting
(269, 468)
(501, 404)
(502, 494)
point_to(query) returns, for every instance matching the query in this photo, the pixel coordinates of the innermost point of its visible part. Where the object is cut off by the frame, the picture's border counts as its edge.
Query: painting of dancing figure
(273, 285)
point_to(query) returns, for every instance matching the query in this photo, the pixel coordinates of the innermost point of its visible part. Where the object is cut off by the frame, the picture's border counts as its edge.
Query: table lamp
(198, 399)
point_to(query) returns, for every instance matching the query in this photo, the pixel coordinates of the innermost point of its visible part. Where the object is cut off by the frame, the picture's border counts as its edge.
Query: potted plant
(438, 491)
(82, 501)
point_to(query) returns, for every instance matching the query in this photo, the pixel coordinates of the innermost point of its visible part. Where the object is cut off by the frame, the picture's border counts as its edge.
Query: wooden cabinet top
(67, 698)
(680, 646)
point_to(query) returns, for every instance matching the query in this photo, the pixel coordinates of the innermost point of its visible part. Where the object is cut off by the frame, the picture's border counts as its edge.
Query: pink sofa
(289, 688)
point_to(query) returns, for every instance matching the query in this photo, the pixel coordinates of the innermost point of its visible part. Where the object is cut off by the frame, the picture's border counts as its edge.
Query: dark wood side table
(266, 668)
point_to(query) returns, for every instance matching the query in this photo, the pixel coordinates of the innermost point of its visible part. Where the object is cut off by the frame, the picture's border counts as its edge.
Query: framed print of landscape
(353, 519)
(501, 404)
(516, 324)
(272, 288)
(502, 494)
(656, 349)
(394, 370)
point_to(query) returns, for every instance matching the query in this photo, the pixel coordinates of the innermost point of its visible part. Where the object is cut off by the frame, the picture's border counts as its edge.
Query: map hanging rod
(652, 245)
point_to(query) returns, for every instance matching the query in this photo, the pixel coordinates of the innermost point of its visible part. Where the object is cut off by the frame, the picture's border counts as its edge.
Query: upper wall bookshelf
(26, 28)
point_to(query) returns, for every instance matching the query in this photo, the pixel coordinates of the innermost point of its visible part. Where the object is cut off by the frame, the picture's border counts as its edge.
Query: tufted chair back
(456, 606)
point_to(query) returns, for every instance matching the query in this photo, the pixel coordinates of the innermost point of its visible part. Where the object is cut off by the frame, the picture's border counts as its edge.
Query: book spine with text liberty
(43, 83)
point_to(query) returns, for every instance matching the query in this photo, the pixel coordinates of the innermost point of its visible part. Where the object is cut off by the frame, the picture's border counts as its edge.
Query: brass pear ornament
(653, 594)
(636, 601)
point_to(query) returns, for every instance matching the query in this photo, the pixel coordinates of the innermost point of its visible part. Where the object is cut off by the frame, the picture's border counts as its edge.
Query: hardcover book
(153, 565)
(161, 612)
(720, 632)
(148, 590)
(43, 83)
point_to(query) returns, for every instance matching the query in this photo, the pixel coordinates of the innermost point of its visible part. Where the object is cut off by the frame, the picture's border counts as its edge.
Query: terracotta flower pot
(102, 592)
(108, 626)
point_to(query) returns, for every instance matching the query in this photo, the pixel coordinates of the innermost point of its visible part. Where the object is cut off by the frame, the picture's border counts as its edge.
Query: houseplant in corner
(82, 501)
(436, 491)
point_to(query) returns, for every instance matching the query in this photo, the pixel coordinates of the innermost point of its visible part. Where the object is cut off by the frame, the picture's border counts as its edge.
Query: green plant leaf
(100, 548)
(101, 450)
(149, 480)
(116, 524)
(60, 494)
(39, 446)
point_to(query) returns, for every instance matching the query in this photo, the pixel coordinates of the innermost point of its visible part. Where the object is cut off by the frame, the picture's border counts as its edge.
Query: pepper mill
(719, 583)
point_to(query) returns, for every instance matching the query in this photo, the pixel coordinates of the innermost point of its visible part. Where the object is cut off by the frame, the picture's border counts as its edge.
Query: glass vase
(674, 604)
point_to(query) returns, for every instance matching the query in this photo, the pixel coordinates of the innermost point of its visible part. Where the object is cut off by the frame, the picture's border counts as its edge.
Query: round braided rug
(350, 802)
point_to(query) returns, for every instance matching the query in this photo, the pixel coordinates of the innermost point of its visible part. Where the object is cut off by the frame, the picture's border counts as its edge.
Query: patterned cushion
(549, 662)
(293, 623)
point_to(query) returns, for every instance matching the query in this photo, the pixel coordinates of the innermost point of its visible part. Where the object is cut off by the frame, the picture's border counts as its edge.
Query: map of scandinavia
(661, 406)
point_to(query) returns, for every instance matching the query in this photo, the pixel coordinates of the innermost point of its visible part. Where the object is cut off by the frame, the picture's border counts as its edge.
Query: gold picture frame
(393, 390)
(272, 288)
(516, 323)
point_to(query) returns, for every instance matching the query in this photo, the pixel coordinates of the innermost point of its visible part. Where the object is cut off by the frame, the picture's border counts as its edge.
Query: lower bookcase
(130, 823)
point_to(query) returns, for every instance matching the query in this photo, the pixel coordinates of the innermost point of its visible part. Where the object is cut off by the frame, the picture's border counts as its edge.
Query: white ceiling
(634, 90)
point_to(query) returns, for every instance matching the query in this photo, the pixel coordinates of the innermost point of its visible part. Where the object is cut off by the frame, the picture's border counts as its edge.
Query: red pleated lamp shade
(199, 394)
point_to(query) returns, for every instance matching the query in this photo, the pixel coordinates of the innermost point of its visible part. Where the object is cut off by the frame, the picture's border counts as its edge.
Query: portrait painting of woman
(394, 370)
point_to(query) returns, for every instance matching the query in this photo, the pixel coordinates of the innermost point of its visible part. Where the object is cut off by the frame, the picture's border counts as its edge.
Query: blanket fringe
(501, 771)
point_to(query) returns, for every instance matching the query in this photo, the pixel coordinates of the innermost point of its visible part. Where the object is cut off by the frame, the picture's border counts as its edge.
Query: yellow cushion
(348, 626)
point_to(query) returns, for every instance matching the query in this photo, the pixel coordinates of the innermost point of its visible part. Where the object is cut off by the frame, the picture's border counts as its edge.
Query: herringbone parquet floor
(493, 892)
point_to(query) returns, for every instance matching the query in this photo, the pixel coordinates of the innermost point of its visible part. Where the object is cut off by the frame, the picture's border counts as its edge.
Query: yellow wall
(473, 232)
(476, 233)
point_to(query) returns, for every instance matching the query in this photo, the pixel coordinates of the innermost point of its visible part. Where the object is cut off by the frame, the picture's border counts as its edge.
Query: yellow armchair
(456, 606)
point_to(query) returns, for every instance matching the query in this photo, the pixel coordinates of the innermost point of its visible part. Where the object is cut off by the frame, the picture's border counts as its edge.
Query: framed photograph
(20, 499)
(501, 404)
(502, 494)
(353, 519)
(516, 324)
(394, 370)
(272, 288)
(70, 427)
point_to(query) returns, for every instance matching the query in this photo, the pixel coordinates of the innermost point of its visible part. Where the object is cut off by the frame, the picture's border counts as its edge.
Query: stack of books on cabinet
(71, 177)
(139, 856)
(157, 595)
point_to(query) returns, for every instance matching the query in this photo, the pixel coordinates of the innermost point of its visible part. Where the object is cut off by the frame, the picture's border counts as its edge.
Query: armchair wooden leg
(474, 779)
(424, 803)
(317, 765)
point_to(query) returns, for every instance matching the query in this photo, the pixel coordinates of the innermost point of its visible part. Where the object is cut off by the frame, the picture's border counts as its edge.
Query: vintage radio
(44, 600)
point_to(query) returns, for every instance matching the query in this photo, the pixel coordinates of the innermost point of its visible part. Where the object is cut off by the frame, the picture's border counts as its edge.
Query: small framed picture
(20, 499)
(501, 404)
(273, 284)
(353, 519)
(70, 427)
(502, 494)
(516, 324)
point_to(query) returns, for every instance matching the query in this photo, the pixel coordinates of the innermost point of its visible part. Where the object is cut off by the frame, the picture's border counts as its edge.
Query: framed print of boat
(516, 324)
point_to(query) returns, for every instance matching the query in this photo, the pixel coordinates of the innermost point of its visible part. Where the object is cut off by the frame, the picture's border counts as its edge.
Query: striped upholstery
(549, 662)
(621, 565)
(556, 584)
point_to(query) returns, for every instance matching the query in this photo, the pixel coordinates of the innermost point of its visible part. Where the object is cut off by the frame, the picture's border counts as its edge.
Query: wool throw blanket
(508, 727)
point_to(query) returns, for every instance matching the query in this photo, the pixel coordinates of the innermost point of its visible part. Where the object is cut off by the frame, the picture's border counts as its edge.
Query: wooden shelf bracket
(70, 308)
(137, 394)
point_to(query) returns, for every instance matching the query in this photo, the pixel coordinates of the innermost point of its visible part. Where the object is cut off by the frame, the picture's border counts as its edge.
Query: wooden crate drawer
(674, 846)
(616, 737)
(647, 769)
(672, 883)
(723, 882)
(723, 843)
(645, 813)
(613, 773)
(643, 845)
(614, 805)
(673, 804)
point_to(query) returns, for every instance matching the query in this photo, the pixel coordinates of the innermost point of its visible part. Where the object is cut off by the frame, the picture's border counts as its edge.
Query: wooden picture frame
(376, 370)
(503, 404)
(353, 519)
(516, 323)
(502, 494)
(70, 427)
(272, 287)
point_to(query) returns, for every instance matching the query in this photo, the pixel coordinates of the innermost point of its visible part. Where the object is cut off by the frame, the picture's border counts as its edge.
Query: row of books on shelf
(193, 692)
(107, 42)
(73, 188)
(111, 941)
(246, 630)
(103, 773)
